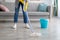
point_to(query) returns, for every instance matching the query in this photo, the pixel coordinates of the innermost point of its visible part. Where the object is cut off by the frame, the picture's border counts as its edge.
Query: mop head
(35, 34)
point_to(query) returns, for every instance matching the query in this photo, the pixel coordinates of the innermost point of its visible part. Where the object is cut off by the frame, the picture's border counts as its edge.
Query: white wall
(49, 2)
(9, 0)
(0, 0)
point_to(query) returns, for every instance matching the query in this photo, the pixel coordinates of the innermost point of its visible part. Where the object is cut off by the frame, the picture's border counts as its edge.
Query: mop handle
(25, 9)
(30, 25)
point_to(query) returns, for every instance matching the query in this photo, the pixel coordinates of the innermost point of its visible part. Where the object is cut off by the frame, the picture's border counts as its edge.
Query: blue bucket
(44, 23)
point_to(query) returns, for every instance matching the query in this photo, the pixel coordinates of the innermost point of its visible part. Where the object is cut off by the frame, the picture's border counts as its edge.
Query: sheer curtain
(58, 8)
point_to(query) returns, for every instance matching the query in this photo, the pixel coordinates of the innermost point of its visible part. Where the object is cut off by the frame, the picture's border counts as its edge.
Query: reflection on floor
(51, 33)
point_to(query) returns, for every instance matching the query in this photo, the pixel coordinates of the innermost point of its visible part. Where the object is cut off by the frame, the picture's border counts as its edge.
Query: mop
(31, 29)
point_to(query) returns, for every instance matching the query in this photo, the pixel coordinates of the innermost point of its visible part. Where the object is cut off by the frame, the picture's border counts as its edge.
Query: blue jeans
(25, 15)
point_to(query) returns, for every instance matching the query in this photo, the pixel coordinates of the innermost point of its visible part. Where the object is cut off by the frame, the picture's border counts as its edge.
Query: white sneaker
(15, 25)
(27, 26)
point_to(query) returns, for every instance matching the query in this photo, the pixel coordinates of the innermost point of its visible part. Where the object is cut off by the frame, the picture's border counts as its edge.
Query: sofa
(33, 12)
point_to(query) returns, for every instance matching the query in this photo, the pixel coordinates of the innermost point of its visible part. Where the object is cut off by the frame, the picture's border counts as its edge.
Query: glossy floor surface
(51, 33)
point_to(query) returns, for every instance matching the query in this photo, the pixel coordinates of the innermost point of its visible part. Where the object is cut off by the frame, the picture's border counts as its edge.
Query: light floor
(51, 33)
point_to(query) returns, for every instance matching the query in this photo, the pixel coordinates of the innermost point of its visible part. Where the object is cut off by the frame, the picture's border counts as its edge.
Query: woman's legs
(16, 15)
(25, 17)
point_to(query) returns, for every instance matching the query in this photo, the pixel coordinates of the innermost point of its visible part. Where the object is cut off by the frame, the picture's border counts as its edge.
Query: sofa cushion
(42, 7)
(3, 8)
